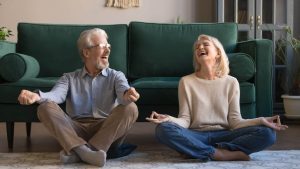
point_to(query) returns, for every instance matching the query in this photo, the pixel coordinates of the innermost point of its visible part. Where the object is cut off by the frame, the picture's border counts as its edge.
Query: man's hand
(131, 95)
(274, 123)
(158, 118)
(27, 97)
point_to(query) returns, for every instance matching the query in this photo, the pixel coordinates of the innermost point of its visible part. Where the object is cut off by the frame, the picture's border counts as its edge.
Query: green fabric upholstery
(6, 47)
(261, 52)
(241, 66)
(157, 90)
(165, 50)
(16, 66)
(20, 113)
(247, 91)
(10, 91)
(248, 110)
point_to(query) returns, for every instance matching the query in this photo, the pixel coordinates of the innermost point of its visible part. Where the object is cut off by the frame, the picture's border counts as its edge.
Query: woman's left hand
(274, 123)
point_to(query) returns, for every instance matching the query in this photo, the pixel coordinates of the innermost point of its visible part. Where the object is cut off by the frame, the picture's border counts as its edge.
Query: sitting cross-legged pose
(100, 106)
(209, 125)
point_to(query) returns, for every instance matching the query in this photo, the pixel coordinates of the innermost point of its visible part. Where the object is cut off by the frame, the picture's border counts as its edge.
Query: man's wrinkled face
(98, 53)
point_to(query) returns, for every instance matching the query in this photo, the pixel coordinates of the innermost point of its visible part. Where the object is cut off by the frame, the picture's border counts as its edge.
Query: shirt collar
(84, 72)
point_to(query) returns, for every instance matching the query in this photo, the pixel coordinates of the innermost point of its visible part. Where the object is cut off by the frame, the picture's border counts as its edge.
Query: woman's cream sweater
(210, 104)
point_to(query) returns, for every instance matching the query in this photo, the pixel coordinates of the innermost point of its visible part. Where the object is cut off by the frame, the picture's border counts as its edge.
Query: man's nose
(107, 50)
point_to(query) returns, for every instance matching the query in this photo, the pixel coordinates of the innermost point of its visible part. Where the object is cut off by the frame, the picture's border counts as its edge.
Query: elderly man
(99, 104)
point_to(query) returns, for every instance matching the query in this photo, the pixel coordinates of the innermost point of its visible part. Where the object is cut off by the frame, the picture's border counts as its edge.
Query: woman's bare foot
(226, 155)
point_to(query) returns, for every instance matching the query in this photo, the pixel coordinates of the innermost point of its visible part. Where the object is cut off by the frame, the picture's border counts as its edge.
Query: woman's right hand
(158, 118)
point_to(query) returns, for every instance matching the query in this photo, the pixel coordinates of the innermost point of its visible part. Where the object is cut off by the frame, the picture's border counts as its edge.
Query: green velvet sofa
(153, 56)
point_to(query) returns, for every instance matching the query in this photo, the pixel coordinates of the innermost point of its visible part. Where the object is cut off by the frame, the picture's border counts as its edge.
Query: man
(99, 104)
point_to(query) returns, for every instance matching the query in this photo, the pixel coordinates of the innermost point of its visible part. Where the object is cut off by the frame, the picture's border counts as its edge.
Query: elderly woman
(209, 125)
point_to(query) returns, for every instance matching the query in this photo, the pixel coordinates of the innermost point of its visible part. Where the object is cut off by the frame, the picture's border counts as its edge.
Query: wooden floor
(142, 134)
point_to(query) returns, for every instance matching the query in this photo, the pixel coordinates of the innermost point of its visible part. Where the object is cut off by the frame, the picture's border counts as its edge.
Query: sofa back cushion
(162, 50)
(241, 66)
(54, 46)
(16, 66)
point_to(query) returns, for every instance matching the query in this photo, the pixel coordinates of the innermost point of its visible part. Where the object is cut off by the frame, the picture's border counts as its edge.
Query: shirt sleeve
(58, 93)
(184, 116)
(235, 119)
(121, 86)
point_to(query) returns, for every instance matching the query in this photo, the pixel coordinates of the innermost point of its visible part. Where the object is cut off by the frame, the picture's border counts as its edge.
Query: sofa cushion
(165, 50)
(241, 66)
(157, 90)
(164, 91)
(247, 91)
(10, 91)
(56, 44)
(248, 110)
(16, 66)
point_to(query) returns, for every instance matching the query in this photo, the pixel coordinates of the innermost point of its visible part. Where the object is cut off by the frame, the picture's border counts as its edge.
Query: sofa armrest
(261, 52)
(7, 47)
(16, 66)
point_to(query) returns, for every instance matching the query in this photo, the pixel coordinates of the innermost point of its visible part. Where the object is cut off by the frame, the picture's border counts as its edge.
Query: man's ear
(85, 53)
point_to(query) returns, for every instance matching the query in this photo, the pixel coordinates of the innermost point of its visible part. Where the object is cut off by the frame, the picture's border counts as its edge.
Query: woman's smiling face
(206, 52)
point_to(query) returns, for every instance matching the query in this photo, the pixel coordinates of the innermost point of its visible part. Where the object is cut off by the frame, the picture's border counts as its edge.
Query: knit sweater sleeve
(184, 116)
(235, 119)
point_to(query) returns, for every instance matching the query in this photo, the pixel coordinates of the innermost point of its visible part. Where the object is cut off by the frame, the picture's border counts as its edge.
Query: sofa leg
(28, 129)
(10, 133)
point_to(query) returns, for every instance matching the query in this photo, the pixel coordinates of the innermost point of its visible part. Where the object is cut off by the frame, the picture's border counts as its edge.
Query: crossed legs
(221, 145)
(90, 140)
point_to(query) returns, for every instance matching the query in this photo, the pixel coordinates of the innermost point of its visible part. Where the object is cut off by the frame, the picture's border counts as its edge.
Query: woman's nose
(201, 46)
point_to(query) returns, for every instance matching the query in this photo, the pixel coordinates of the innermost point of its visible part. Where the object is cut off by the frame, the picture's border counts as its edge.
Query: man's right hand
(27, 97)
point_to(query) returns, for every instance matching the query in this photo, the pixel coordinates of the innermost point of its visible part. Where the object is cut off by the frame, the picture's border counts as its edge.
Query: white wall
(93, 12)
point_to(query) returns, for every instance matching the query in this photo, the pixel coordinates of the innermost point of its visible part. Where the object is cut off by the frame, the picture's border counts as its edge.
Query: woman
(209, 125)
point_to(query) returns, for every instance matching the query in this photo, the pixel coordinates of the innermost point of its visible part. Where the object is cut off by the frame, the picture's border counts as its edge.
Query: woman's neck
(207, 73)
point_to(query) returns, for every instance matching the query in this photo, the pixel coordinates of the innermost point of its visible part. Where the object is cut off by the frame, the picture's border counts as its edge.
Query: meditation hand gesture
(131, 95)
(27, 97)
(158, 118)
(274, 123)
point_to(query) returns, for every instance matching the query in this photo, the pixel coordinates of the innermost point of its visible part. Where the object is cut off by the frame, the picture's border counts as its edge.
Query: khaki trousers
(99, 133)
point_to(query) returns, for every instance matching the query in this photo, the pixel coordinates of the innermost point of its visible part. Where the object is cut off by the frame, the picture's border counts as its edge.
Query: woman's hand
(274, 123)
(158, 118)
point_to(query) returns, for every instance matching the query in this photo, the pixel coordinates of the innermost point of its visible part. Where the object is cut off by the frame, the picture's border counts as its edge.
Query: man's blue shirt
(88, 96)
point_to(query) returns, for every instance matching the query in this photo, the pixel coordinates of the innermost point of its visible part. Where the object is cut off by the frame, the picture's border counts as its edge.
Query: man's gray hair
(84, 40)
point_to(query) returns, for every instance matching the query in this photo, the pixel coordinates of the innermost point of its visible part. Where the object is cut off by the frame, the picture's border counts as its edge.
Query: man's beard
(101, 65)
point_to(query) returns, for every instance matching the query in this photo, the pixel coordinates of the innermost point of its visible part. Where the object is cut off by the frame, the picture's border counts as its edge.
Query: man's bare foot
(226, 155)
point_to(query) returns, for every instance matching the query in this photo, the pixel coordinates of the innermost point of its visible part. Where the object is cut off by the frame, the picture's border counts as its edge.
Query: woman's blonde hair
(222, 67)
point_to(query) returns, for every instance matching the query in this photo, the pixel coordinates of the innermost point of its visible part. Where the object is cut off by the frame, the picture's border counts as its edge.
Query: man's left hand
(132, 95)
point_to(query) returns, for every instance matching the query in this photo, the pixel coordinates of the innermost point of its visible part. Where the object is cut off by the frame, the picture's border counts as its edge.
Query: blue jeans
(201, 144)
